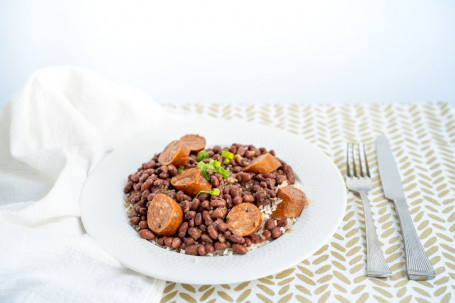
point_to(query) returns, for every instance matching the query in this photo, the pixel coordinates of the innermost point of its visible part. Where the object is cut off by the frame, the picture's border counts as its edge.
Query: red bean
(220, 246)
(248, 198)
(237, 200)
(209, 248)
(176, 242)
(267, 234)
(143, 177)
(148, 165)
(212, 232)
(241, 151)
(158, 182)
(128, 187)
(195, 232)
(276, 232)
(191, 250)
(201, 250)
(239, 248)
(135, 220)
(269, 175)
(218, 203)
(195, 204)
(289, 174)
(281, 223)
(219, 212)
(221, 238)
(146, 234)
(172, 170)
(237, 239)
(198, 219)
(214, 181)
(207, 218)
(143, 225)
(269, 224)
(168, 241)
(183, 227)
(250, 154)
(257, 238)
(222, 226)
(188, 241)
(236, 169)
(206, 238)
(190, 215)
(160, 241)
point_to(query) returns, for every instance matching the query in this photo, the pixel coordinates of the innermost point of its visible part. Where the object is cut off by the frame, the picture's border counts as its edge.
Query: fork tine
(360, 161)
(366, 161)
(353, 159)
(348, 168)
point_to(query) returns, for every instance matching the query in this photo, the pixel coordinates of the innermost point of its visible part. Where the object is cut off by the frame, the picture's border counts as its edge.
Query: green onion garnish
(213, 192)
(205, 174)
(180, 169)
(202, 155)
(228, 156)
(215, 166)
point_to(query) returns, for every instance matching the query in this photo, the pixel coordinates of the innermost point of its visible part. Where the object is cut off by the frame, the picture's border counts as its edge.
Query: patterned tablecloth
(423, 139)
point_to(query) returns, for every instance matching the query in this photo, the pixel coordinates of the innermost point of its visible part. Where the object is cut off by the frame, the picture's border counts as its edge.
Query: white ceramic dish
(104, 216)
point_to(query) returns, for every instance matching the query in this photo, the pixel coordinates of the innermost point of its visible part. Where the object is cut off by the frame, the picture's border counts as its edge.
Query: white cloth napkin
(53, 132)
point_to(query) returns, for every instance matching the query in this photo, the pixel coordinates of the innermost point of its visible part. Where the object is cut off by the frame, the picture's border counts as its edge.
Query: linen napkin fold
(53, 132)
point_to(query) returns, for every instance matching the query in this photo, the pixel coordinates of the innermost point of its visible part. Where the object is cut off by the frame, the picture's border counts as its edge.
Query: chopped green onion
(228, 156)
(202, 155)
(224, 173)
(215, 166)
(205, 174)
(213, 192)
(180, 169)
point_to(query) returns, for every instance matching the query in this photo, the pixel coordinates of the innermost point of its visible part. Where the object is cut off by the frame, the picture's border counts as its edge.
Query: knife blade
(418, 266)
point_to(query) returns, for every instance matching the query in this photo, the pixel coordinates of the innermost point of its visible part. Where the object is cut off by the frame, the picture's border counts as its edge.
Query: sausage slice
(293, 202)
(194, 142)
(190, 181)
(265, 163)
(244, 219)
(164, 215)
(175, 153)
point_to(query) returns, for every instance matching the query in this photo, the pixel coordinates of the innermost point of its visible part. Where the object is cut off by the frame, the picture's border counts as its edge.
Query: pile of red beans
(204, 229)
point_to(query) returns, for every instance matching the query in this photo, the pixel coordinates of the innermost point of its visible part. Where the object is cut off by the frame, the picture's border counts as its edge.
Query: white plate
(104, 216)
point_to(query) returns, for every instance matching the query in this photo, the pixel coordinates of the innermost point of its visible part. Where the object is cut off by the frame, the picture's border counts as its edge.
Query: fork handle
(376, 263)
(418, 266)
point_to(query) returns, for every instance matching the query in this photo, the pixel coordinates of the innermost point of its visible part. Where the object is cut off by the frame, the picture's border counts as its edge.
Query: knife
(418, 266)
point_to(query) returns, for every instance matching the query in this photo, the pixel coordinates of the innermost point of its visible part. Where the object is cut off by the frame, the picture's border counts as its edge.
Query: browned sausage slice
(194, 142)
(164, 215)
(244, 219)
(190, 181)
(175, 153)
(293, 202)
(263, 164)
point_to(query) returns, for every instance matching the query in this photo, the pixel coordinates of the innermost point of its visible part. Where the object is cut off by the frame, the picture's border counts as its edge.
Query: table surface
(422, 137)
(240, 51)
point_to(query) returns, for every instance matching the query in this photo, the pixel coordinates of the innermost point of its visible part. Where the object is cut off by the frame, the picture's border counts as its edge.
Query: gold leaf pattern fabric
(423, 140)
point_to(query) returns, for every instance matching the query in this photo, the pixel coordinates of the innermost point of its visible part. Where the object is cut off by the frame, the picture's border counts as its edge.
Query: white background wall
(240, 51)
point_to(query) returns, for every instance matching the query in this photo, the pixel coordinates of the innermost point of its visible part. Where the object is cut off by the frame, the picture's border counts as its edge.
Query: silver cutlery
(418, 266)
(359, 180)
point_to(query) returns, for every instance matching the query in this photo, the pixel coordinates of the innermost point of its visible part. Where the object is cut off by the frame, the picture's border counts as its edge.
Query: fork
(358, 179)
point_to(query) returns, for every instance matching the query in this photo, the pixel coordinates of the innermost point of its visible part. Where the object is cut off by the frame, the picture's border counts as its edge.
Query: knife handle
(418, 266)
